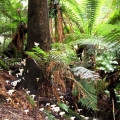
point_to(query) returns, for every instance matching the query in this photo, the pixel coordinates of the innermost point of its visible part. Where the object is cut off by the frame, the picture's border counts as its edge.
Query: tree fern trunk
(60, 25)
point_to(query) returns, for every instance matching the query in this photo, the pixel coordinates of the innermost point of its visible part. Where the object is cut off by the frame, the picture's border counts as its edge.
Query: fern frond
(75, 18)
(84, 73)
(38, 54)
(113, 36)
(39, 51)
(68, 110)
(88, 92)
(91, 10)
(110, 42)
(63, 53)
(3, 65)
(104, 29)
(115, 17)
(89, 102)
(75, 36)
(86, 89)
(33, 55)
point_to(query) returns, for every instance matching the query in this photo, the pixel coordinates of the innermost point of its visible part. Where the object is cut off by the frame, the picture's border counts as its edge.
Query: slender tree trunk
(55, 23)
(51, 27)
(60, 25)
(38, 24)
(70, 24)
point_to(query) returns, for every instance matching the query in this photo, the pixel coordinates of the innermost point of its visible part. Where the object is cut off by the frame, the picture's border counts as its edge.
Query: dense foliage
(86, 40)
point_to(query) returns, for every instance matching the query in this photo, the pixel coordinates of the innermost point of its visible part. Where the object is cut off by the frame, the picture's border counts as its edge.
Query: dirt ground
(14, 109)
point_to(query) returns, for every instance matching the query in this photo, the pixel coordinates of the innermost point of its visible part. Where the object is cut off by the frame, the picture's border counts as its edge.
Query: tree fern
(106, 51)
(82, 14)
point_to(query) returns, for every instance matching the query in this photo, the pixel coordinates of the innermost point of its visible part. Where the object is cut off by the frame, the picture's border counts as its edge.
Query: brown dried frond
(59, 73)
(59, 80)
(51, 66)
(45, 89)
(81, 93)
(55, 65)
(55, 93)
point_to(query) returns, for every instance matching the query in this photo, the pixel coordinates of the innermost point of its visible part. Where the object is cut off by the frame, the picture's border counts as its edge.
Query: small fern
(32, 101)
(3, 65)
(33, 55)
(60, 52)
(90, 100)
(86, 93)
(63, 52)
(49, 115)
(38, 54)
(68, 110)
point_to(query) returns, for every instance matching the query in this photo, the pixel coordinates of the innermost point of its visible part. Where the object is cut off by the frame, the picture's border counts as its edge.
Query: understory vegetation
(79, 78)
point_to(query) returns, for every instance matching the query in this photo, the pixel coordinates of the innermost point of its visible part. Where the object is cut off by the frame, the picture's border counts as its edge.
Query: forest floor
(16, 106)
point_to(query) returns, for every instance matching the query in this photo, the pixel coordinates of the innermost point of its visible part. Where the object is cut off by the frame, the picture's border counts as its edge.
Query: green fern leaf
(63, 106)
(90, 101)
(32, 101)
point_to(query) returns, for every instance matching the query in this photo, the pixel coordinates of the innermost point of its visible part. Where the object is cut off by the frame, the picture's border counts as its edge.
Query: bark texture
(38, 24)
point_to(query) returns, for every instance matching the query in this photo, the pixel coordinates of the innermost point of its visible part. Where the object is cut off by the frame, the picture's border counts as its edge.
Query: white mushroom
(10, 92)
(41, 109)
(7, 81)
(36, 44)
(37, 79)
(33, 96)
(61, 113)
(9, 72)
(72, 118)
(21, 70)
(26, 111)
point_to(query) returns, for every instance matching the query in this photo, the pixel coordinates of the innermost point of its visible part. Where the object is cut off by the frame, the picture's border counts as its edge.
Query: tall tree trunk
(38, 24)
(38, 31)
